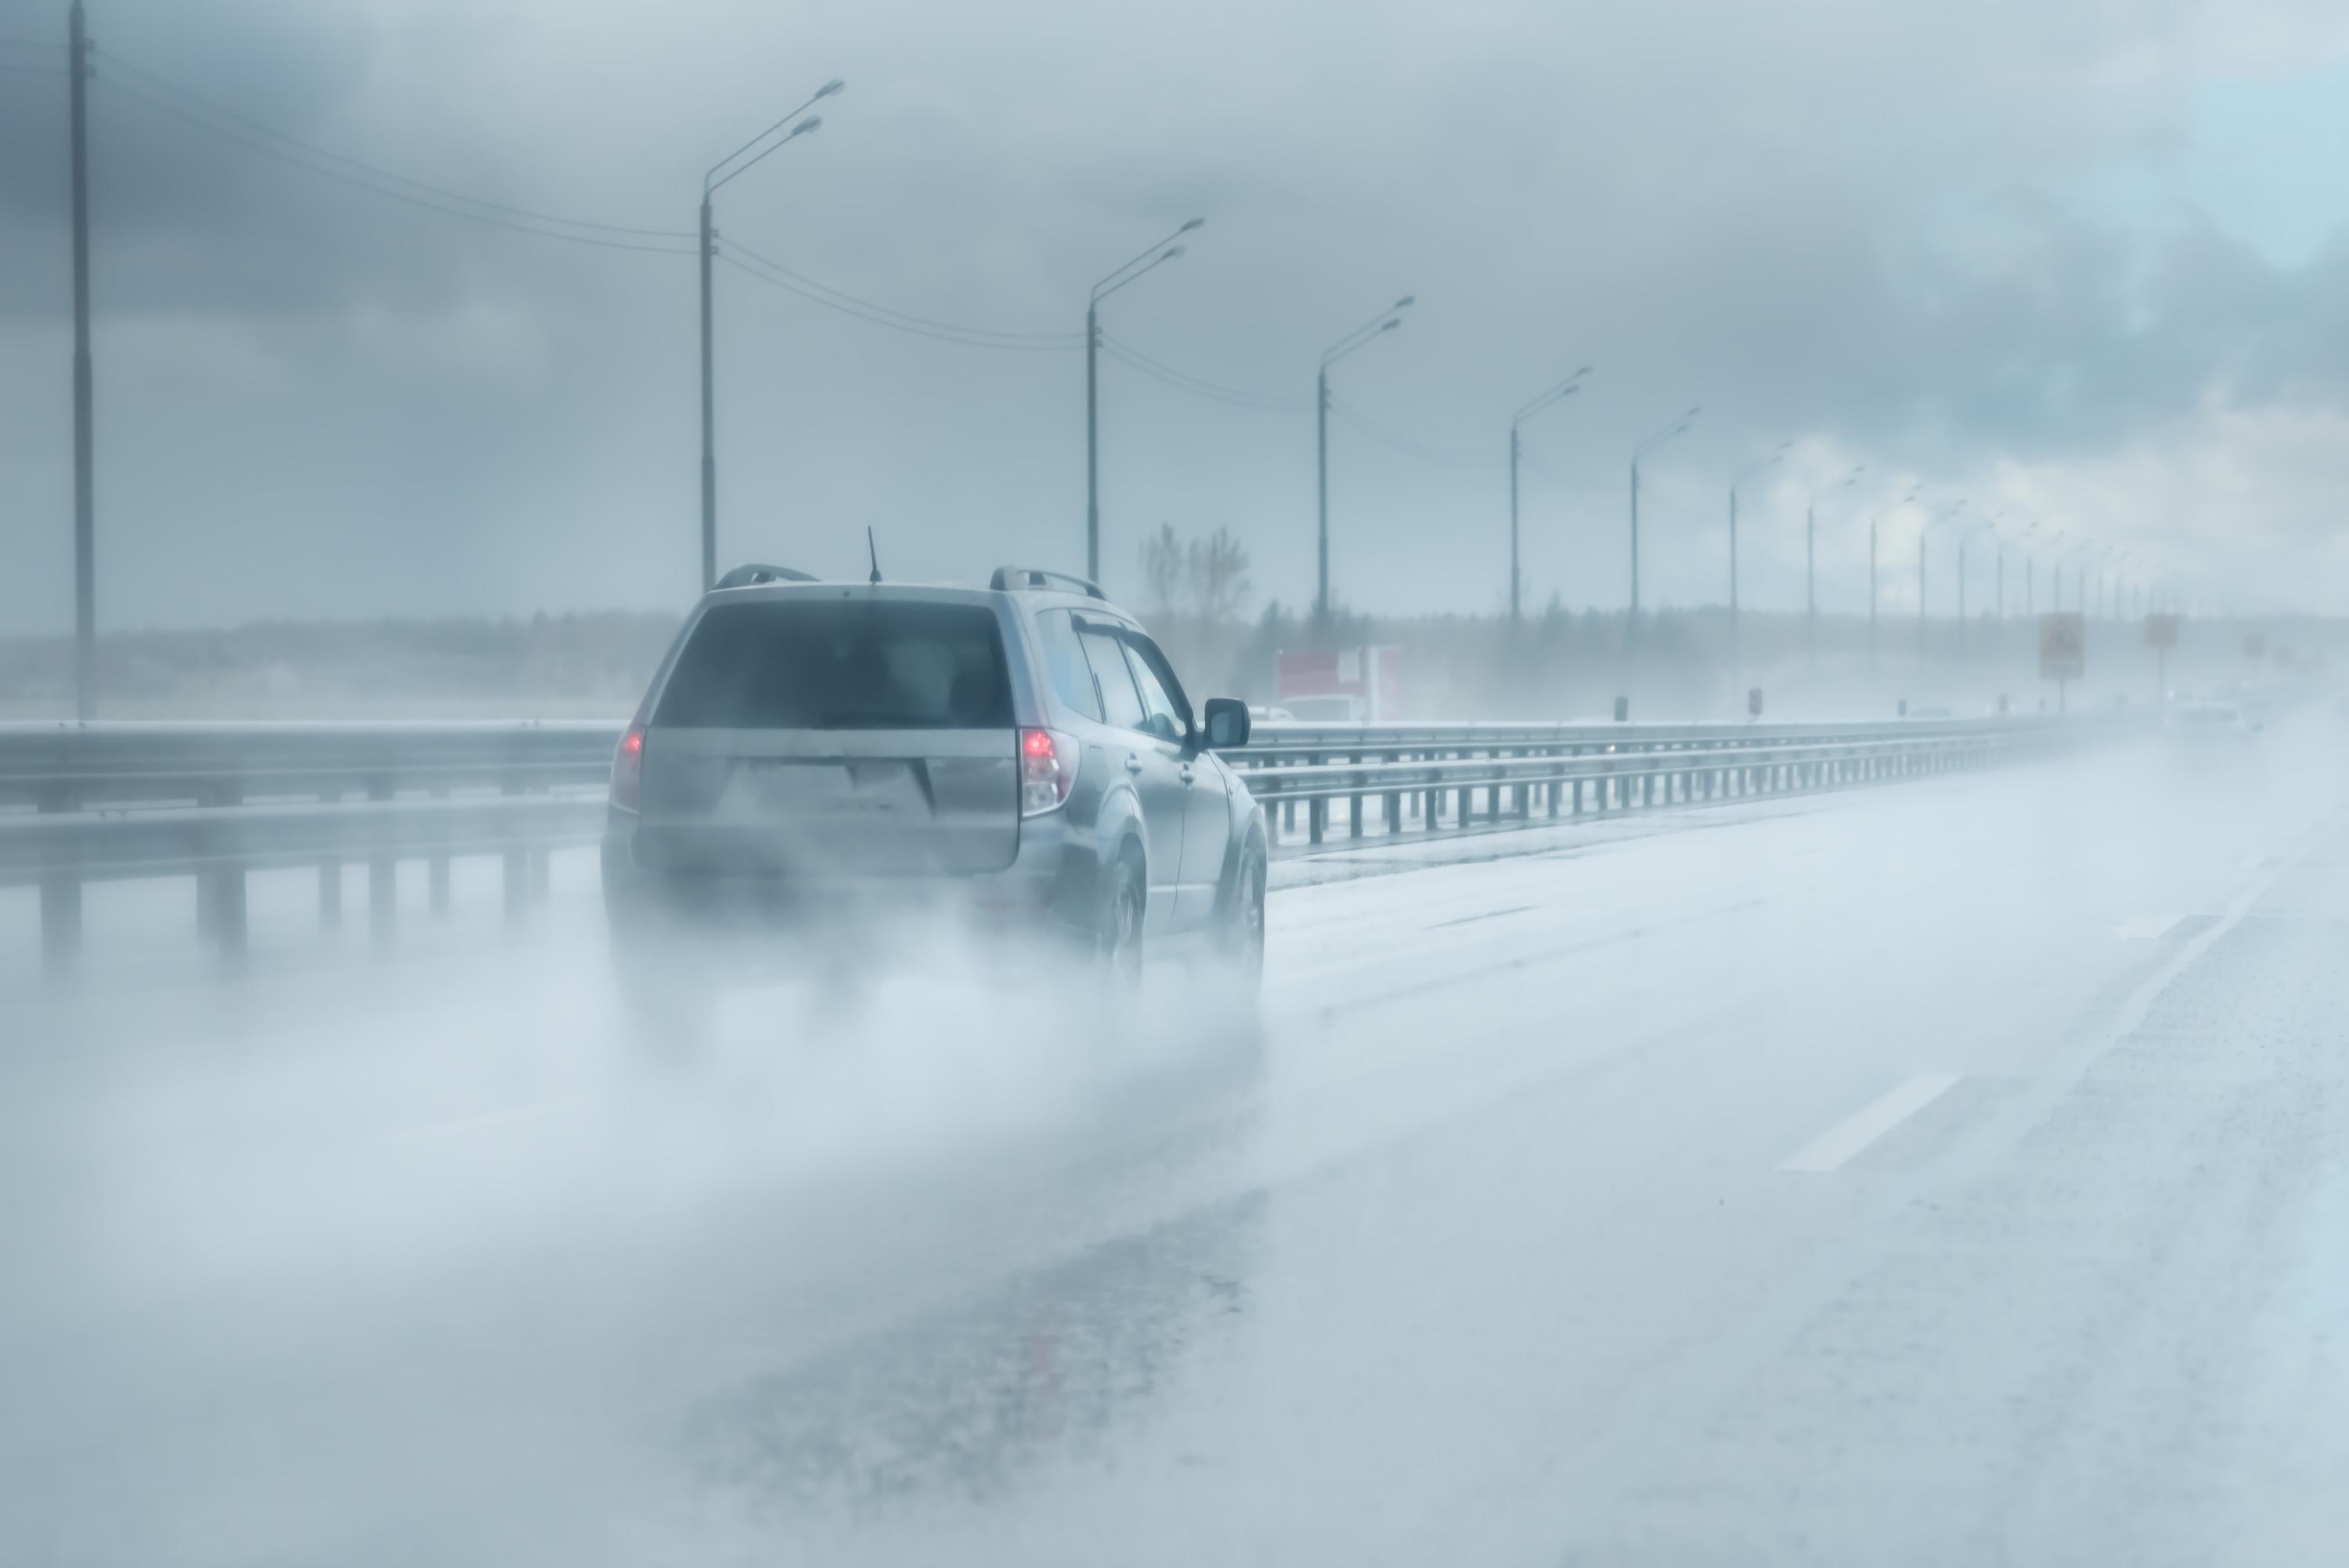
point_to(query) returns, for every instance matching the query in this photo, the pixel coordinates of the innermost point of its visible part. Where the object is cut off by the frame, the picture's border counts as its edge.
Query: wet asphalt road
(1944, 1173)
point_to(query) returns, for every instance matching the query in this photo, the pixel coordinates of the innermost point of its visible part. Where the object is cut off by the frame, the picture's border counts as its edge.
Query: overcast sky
(2079, 262)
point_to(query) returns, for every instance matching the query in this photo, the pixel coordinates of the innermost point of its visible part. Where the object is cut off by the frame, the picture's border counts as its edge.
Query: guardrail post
(437, 875)
(330, 896)
(1317, 814)
(1393, 807)
(60, 919)
(219, 902)
(383, 887)
(540, 873)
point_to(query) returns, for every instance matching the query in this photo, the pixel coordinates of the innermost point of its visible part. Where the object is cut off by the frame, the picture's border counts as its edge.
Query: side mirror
(1227, 724)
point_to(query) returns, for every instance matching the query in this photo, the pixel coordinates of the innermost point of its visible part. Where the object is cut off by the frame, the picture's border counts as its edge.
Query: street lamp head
(1191, 225)
(830, 87)
(1172, 251)
(809, 124)
(1390, 324)
(1405, 303)
(1583, 370)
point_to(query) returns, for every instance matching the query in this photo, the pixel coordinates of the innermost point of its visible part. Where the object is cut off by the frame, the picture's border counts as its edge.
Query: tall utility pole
(85, 525)
(1162, 251)
(709, 184)
(1563, 390)
(709, 410)
(1386, 320)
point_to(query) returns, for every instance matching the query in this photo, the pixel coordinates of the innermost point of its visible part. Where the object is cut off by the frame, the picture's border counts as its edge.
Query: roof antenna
(875, 550)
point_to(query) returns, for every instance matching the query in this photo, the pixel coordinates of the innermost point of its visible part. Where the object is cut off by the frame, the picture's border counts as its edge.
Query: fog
(363, 1253)
(1776, 999)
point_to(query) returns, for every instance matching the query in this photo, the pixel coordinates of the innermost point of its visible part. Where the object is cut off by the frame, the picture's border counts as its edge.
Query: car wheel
(1244, 929)
(1117, 941)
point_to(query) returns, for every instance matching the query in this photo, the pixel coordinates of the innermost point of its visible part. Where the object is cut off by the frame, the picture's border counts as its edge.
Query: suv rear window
(840, 665)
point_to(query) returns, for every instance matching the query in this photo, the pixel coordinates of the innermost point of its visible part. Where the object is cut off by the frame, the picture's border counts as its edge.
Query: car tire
(1243, 937)
(1117, 927)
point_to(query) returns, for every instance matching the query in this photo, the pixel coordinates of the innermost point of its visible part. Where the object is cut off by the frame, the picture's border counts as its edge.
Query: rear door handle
(1185, 774)
(1133, 763)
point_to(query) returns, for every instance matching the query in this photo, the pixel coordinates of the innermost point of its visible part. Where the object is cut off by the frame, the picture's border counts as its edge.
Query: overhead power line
(369, 170)
(1411, 444)
(1199, 385)
(849, 303)
(162, 105)
(752, 268)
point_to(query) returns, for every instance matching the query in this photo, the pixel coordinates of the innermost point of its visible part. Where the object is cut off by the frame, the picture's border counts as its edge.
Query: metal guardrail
(104, 801)
(109, 800)
(1404, 774)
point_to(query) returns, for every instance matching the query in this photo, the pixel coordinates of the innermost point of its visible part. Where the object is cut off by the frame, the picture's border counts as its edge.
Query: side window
(1073, 678)
(1121, 702)
(1163, 714)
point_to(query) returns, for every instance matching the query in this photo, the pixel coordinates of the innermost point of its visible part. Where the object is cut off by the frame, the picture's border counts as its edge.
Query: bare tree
(1216, 569)
(1162, 568)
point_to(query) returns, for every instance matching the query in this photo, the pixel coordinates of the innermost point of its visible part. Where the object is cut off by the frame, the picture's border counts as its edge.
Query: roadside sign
(2161, 629)
(2062, 646)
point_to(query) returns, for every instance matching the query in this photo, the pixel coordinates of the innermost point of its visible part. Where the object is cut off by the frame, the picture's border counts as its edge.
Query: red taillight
(628, 769)
(1048, 770)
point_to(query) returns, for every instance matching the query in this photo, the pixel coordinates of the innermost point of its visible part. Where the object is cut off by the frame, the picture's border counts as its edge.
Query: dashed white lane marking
(1850, 1136)
(2147, 927)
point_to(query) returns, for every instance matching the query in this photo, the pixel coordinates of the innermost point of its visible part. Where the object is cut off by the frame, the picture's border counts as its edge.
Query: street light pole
(1736, 643)
(1385, 321)
(1810, 570)
(1641, 450)
(1164, 251)
(1559, 393)
(710, 182)
(1873, 582)
(1921, 534)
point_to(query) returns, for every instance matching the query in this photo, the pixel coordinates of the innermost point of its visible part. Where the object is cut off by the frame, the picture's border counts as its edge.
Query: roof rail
(750, 574)
(1012, 578)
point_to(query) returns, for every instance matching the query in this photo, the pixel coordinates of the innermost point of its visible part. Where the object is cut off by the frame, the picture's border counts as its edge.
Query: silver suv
(810, 750)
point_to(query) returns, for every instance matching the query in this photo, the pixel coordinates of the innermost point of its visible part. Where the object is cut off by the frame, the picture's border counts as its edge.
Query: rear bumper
(1048, 885)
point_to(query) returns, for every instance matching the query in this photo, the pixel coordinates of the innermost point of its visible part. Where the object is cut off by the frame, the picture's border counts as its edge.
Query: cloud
(1945, 240)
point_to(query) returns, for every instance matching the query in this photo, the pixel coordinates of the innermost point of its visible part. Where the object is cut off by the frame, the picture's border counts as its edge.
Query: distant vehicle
(1327, 709)
(1264, 714)
(1353, 685)
(2206, 721)
(808, 750)
(1931, 713)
